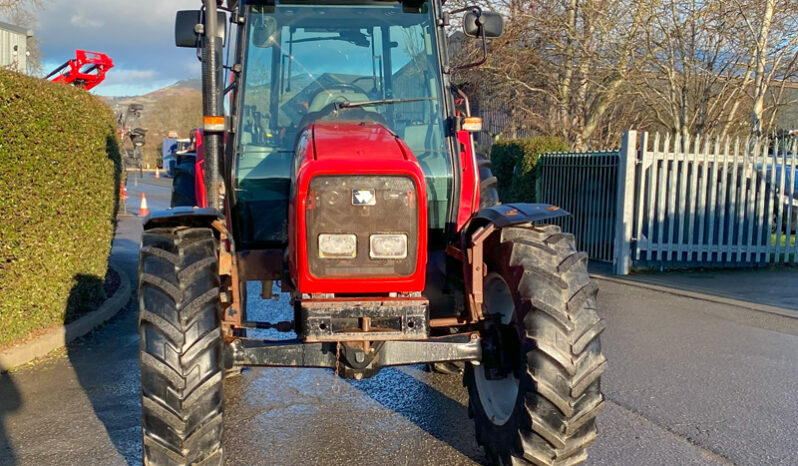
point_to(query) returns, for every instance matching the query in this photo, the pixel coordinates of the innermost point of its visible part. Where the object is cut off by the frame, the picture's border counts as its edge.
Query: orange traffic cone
(143, 210)
(157, 173)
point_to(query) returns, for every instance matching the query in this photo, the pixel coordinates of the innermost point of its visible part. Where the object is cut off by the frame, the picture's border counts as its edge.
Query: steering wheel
(322, 106)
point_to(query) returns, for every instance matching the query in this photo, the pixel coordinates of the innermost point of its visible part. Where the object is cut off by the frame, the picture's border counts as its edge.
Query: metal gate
(667, 201)
(585, 185)
(705, 202)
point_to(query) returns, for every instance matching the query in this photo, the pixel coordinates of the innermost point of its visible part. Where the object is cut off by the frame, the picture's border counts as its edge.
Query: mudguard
(513, 214)
(182, 216)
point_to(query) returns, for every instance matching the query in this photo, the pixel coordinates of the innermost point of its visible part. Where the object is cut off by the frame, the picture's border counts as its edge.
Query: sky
(138, 36)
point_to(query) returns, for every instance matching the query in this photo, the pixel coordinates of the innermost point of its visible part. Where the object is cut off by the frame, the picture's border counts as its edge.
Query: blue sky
(138, 35)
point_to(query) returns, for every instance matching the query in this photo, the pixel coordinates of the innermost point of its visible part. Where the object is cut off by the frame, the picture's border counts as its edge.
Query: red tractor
(342, 169)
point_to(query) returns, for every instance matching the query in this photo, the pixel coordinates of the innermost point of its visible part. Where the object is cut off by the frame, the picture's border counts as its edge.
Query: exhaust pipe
(212, 110)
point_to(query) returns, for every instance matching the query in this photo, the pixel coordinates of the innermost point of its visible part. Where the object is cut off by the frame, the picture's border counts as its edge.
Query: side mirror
(186, 27)
(492, 24)
(263, 30)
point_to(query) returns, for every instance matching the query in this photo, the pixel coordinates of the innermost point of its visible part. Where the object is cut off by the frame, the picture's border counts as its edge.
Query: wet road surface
(686, 385)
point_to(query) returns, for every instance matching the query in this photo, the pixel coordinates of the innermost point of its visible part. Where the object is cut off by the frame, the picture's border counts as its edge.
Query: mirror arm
(478, 11)
(484, 58)
(473, 8)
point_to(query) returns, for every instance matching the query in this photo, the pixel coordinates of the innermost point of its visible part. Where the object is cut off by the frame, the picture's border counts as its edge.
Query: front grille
(362, 205)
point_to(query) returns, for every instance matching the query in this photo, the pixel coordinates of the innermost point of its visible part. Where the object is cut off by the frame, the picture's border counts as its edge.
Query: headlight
(337, 246)
(388, 246)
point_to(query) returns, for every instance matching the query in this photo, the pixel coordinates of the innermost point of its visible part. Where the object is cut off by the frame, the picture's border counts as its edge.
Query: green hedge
(514, 163)
(59, 181)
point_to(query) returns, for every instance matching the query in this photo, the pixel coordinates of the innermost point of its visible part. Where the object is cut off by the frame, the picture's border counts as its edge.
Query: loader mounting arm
(86, 70)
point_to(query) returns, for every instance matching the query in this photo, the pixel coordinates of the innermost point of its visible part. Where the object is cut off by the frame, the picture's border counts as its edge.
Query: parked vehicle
(168, 149)
(781, 175)
(188, 187)
(346, 172)
(171, 150)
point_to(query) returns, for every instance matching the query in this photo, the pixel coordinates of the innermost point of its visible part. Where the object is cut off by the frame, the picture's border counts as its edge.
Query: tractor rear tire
(183, 182)
(543, 410)
(180, 353)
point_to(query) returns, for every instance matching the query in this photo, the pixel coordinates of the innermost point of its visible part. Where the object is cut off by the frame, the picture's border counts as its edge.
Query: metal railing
(669, 201)
(585, 185)
(715, 202)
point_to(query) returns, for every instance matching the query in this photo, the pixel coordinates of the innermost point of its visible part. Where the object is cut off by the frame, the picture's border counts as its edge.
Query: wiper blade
(367, 103)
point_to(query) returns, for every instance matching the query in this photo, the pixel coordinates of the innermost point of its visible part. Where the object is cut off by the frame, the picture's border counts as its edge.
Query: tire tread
(181, 383)
(561, 331)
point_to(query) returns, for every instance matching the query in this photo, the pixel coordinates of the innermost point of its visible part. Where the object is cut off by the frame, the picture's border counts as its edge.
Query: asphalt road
(689, 382)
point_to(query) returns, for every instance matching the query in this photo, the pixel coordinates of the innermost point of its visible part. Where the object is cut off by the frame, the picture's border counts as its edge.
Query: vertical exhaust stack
(211, 106)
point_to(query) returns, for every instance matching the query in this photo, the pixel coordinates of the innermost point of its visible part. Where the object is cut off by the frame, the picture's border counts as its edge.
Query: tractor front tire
(539, 406)
(181, 347)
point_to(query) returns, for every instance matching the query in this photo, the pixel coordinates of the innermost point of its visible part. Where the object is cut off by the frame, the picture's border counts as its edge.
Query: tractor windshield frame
(298, 57)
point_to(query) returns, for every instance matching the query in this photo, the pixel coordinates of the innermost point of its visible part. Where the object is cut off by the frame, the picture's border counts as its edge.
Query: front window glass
(303, 60)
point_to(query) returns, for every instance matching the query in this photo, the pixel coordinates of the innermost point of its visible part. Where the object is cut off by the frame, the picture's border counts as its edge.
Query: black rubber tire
(560, 363)
(488, 184)
(183, 182)
(181, 347)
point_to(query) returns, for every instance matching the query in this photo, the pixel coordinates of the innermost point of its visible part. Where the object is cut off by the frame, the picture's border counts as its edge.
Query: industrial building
(14, 47)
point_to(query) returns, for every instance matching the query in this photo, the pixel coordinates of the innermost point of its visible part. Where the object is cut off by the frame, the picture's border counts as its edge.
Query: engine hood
(352, 140)
(347, 158)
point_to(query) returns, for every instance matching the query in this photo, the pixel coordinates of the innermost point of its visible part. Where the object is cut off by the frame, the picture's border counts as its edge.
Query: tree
(696, 73)
(773, 46)
(564, 64)
(180, 111)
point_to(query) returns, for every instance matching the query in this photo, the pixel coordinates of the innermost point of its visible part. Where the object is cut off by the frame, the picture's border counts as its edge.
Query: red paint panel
(200, 193)
(469, 180)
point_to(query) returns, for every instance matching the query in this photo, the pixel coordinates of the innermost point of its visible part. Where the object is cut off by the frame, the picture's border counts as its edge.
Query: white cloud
(121, 76)
(81, 21)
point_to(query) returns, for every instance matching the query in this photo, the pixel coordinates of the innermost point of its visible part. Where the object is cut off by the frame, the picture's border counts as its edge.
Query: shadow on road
(10, 401)
(106, 366)
(434, 412)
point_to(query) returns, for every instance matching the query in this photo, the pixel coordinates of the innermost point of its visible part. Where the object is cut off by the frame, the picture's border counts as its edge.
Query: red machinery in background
(86, 70)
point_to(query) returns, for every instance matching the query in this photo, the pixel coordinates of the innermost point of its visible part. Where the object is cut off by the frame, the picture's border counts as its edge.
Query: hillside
(177, 107)
(180, 88)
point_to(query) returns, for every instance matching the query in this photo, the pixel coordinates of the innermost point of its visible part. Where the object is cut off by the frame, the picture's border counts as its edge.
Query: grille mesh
(330, 209)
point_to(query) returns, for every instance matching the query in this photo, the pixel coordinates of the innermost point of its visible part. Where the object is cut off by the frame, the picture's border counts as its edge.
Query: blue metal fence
(585, 185)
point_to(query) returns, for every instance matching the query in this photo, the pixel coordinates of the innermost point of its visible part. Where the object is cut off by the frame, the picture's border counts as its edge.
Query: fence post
(624, 210)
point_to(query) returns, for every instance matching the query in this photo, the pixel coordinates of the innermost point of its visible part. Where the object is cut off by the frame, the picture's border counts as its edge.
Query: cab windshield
(306, 62)
(302, 58)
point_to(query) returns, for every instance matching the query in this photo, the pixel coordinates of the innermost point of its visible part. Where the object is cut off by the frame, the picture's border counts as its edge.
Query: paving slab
(772, 287)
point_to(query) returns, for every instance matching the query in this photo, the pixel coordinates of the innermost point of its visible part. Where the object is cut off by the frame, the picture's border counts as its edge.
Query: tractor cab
(304, 62)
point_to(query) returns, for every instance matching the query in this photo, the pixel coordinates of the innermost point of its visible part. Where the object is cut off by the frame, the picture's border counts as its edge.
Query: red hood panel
(352, 140)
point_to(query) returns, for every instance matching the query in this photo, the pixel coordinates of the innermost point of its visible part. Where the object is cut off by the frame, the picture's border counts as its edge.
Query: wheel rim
(498, 397)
